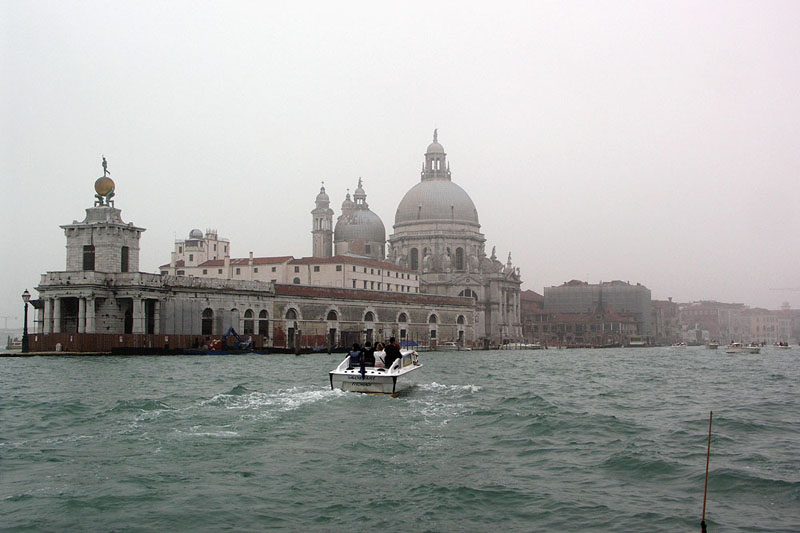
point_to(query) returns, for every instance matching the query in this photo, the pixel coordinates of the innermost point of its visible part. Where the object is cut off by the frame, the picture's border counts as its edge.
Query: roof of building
(246, 261)
(531, 296)
(350, 260)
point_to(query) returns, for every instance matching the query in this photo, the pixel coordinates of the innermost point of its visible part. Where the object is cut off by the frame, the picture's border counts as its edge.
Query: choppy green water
(569, 440)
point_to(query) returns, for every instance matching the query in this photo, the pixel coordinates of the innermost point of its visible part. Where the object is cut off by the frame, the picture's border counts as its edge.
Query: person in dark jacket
(355, 356)
(368, 354)
(392, 351)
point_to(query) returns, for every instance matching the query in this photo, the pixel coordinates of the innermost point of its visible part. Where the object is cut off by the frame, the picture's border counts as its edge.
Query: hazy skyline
(648, 142)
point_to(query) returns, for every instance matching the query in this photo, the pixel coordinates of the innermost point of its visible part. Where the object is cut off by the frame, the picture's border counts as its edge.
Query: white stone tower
(102, 242)
(322, 218)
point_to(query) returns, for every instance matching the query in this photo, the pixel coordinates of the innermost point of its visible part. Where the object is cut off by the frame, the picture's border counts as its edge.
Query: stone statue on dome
(447, 262)
(427, 262)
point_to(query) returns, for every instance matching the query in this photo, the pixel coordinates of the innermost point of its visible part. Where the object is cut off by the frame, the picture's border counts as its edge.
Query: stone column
(47, 316)
(157, 317)
(138, 315)
(56, 315)
(81, 315)
(90, 316)
(38, 323)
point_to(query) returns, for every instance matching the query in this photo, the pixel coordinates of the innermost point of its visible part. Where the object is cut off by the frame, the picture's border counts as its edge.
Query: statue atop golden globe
(104, 187)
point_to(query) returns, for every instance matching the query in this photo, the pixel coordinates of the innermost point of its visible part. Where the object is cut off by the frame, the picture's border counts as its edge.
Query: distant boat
(713, 345)
(446, 347)
(637, 342)
(679, 345)
(14, 344)
(738, 347)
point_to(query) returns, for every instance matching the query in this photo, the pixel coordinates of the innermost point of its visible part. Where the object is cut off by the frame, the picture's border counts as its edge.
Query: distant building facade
(581, 297)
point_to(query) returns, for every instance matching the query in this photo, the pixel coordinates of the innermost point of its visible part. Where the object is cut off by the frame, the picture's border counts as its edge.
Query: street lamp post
(26, 297)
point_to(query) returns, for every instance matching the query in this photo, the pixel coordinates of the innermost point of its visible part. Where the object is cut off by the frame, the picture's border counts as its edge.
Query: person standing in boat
(355, 356)
(392, 352)
(368, 354)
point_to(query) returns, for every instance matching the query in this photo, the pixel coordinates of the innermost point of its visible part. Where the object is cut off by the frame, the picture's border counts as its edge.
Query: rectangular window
(124, 253)
(371, 270)
(238, 271)
(205, 271)
(354, 284)
(274, 269)
(365, 270)
(88, 257)
(365, 284)
(368, 249)
(219, 271)
(255, 270)
(297, 269)
(191, 257)
(164, 272)
(180, 249)
(316, 269)
(338, 268)
(215, 247)
(372, 285)
(180, 272)
(379, 285)
(354, 268)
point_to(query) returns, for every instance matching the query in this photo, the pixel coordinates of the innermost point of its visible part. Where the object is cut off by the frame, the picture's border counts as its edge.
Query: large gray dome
(360, 225)
(436, 199)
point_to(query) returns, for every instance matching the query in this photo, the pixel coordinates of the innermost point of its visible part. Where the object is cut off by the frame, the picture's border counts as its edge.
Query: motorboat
(679, 345)
(377, 379)
(713, 345)
(636, 341)
(450, 347)
(738, 347)
(782, 345)
(446, 347)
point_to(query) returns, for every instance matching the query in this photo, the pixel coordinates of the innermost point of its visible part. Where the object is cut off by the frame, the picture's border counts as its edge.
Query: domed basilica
(437, 234)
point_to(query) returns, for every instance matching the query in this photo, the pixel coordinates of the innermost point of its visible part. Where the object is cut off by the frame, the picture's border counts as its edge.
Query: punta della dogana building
(103, 302)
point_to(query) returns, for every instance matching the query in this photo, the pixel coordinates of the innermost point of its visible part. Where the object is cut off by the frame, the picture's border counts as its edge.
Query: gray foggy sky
(652, 142)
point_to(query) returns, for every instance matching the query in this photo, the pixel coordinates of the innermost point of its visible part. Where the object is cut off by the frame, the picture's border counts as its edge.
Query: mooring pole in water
(708, 459)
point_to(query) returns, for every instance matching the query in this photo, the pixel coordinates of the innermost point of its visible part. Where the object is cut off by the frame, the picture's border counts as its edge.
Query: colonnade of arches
(252, 325)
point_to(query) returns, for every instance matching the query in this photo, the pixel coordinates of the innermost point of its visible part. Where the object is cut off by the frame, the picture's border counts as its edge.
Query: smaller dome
(195, 234)
(435, 148)
(323, 196)
(103, 186)
(348, 203)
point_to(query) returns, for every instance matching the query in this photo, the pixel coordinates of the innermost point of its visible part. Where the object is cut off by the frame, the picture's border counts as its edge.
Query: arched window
(414, 259)
(291, 314)
(263, 323)
(460, 319)
(403, 318)
(459, 259)
(208, 322)
(469, 293)
(296, 281)
(249, 324)
(369, 316)
(332, 315)
(433, 319)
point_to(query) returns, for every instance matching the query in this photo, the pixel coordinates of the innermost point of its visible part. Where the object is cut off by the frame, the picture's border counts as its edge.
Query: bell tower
(322, 220)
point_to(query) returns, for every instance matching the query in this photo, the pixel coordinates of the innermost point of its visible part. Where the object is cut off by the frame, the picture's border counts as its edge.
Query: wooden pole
(708, 460)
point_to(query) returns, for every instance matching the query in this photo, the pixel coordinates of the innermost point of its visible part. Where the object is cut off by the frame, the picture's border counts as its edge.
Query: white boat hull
(398, 378)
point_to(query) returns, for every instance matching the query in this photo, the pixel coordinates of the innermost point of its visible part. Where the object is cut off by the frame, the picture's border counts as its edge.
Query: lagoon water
(556, 440)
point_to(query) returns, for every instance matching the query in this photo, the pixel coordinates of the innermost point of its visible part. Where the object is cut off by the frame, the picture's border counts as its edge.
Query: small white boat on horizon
(450, 347)
(376, 379)
(738, 347)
